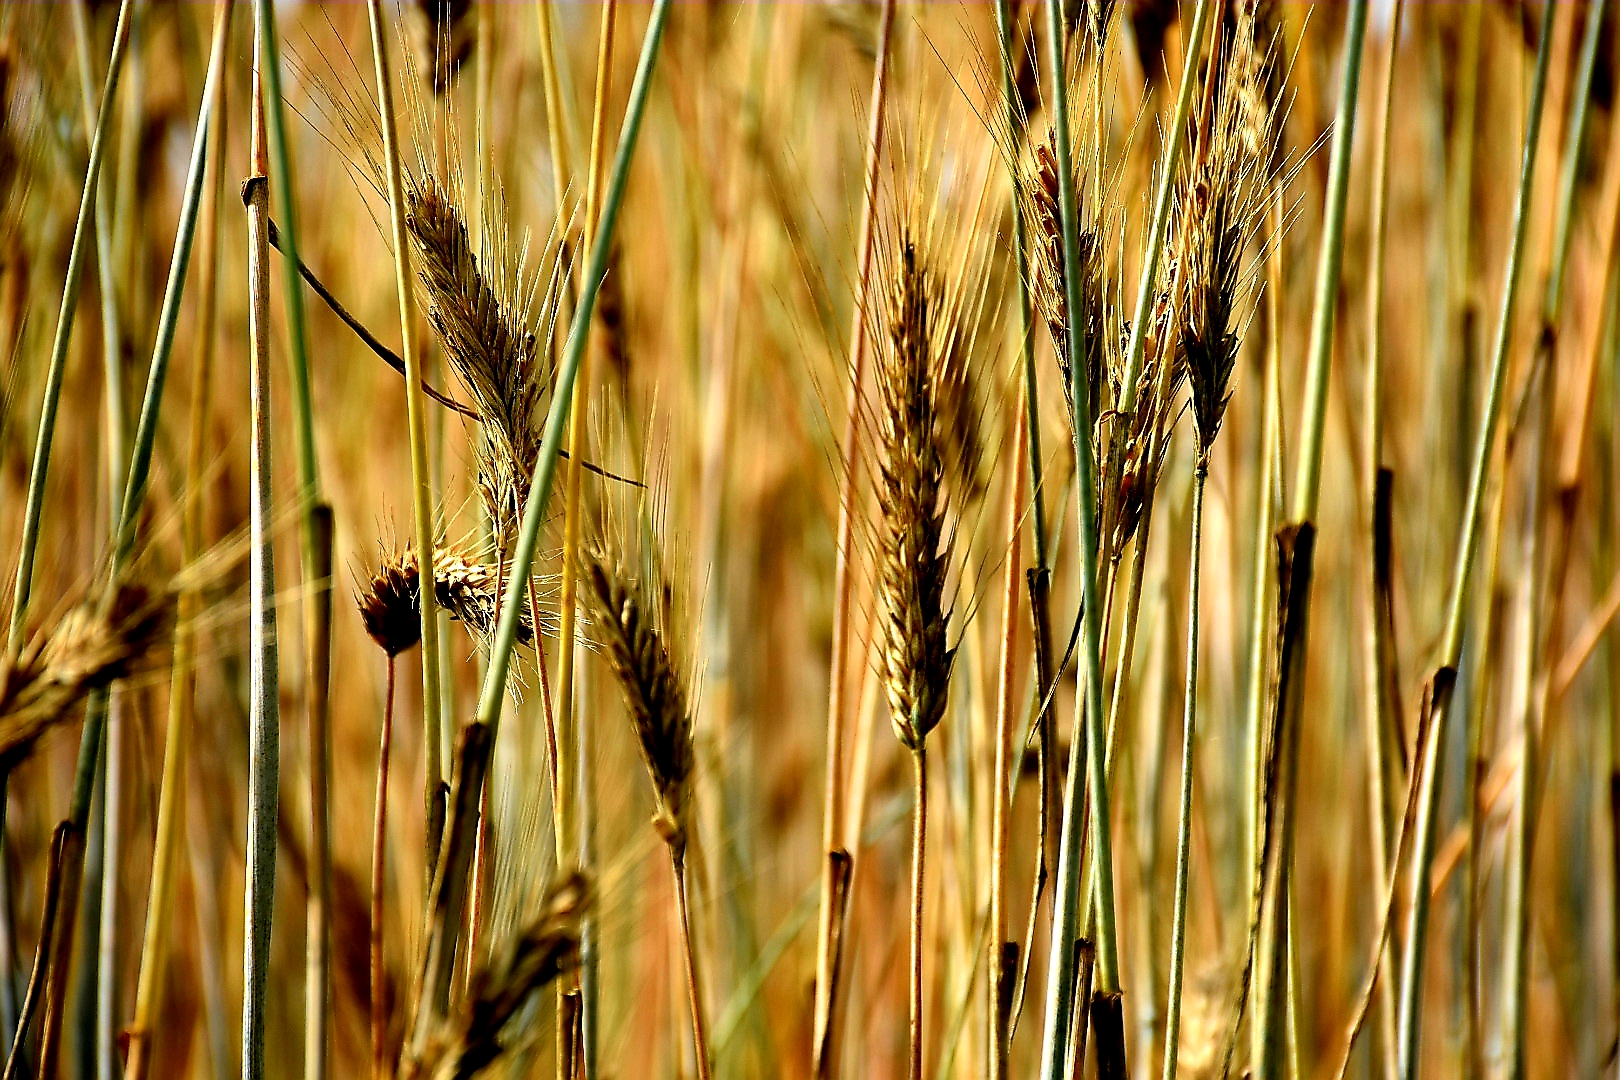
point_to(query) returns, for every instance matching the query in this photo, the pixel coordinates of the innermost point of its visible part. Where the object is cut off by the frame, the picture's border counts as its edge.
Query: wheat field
(996, 538)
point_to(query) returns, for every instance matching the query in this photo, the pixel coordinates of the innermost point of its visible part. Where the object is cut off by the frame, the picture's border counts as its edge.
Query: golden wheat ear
(94, 646)
(493, 316)
(1221, 208)
(912, 545)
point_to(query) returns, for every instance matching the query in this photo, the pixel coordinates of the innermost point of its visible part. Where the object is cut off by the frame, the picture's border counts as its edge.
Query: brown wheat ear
(390, 603)
(491, 328)
(546, 950)
(91, 648)
(913, 549)
(390, 600)
(1221, 206)
(639, 653)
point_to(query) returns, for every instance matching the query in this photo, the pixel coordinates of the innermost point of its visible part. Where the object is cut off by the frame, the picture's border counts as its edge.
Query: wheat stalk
(1410, 1018)
(1222, 206)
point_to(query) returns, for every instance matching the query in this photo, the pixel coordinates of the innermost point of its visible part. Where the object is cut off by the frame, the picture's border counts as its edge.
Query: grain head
(390, 603)
(637, 642)
(94, 646)
(913, 548)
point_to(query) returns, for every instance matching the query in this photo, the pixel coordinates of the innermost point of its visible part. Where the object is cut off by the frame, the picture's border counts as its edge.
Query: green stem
(264, 707)
(379, 857)
(314, 530)
(64, 332)
(1411, 998)
(97, 992)
(1060, 1002)
(1308, 479)
(694, 984)
(1189, 720)
(110, 351)
(919, 844)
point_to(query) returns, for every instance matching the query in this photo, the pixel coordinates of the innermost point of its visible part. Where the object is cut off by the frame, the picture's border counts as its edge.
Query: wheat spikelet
(639, 652)
(390, 603)
(545, 950)
(91, 648)
(481, 1029)
(390, 599)
(913, 548)
(468, 590)
(493, 328)
(1222, 201)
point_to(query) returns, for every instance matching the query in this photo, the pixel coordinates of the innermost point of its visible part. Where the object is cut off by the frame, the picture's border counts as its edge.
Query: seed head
(639, 652)
(390, 603)
(91, 648)
(468, 590)
(545, 950)
(1222, 202)
(913, 548)
(390, 599)
(492, 328)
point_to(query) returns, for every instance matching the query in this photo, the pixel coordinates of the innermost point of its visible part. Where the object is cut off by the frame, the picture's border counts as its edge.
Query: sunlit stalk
(1189, 723)
(264, 707)
(1002, 777)
(835, 858)
(1411, 997)
(183, 680)
(415, 408)
(1381, 701)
